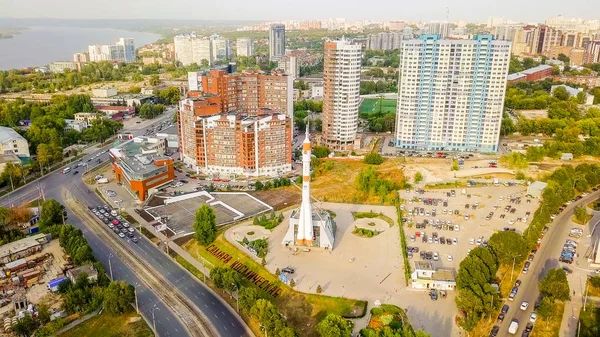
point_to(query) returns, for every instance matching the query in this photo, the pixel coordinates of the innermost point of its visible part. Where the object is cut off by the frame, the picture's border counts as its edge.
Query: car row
(569, 251)
(115, 222)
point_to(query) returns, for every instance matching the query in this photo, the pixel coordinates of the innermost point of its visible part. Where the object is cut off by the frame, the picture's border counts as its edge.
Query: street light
(513, 267)
(237, 297)
(153, 320)
(110, 267)
(137, 308)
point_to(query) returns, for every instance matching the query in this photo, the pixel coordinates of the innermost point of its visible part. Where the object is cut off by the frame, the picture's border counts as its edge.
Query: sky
(266, 10)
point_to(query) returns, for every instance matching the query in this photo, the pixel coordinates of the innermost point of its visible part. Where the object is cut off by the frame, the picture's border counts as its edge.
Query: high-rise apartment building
(384, 41)
(290, 65)
(122, 51)
(245, 46)
(451, 93)
(249, 91)
(190, 48)
(341, 93)
(544, 38)
(222, 48)
(592, 52)
(233, 143)
(276, 42)
(439, 28)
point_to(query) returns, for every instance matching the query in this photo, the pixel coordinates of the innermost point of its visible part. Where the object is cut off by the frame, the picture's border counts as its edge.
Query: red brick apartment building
(251, 141)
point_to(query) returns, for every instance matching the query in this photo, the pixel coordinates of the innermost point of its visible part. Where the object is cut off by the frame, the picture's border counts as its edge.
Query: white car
(533, 317)
(436, 256)
(456, 228)
(454, 241)
(524, 219)
(524, 305)
(471, 241)
(121, 235)
(500, 198)
(450, 258)
(511, 222)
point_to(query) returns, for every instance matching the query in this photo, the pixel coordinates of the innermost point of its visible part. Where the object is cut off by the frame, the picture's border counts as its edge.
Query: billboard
(195, 81)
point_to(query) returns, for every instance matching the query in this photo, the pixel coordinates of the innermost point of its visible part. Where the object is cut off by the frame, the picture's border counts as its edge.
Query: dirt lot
(339, 183)
(533, 114)
(279, 198)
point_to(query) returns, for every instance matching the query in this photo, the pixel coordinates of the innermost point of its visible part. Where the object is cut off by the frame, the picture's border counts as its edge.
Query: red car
(115, 222)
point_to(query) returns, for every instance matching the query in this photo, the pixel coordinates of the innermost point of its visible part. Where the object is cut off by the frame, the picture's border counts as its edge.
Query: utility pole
(137, 308)
(110, 267)
(513, 269)
(153, 320)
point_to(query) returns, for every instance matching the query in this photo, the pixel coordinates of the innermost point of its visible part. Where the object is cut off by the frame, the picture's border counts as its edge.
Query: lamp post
(153, 320)
(237, 297)
(137, 307)
(513, 267)
(110, 267)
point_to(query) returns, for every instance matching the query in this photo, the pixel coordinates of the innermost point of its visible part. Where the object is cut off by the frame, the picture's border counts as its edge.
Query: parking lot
(115, 222)
(444, 225)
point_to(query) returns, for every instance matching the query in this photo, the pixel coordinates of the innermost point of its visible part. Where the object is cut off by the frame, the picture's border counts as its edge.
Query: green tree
(118, 297)
(561, 93)
(547, 309)
(334, 326)
(248, 296)
(43, 313)
(52, 214)
(555, 285)
(171, 95)
(205, 225)
(25, 326)
(581, 213)
(319, 289)
(418, 178)
(318, 124)
(507, 127)
(154, 80)
(507, 245)
(320, 151)
(373, 158)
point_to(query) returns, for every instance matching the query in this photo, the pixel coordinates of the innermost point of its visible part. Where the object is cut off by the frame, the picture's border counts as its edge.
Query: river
(38, 46)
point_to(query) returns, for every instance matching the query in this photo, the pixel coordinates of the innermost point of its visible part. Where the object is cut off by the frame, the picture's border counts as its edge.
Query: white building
(289, 64)
(439, 28)
(222, 48)
(276, 42)
(74, 124)
(245, 46)
(317, 90)
(190, 49)
(58, 67)
(451, 93)
(385, 41)
(426, 276)
(122, 51)
(341, 93)
(13, 143)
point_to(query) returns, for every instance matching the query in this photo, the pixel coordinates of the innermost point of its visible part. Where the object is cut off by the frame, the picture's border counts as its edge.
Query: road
(545, 259)
(223, 319)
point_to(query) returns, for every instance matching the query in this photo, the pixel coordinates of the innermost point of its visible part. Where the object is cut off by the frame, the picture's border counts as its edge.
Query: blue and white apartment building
(451, 93)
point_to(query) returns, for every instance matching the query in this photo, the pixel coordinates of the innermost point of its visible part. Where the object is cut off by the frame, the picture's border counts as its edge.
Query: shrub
(376, 311)
(373, 159)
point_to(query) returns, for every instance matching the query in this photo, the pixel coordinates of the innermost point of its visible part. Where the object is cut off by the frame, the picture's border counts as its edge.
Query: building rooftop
(8, 134)
(443, 275)
(424, 265)
(131, 158)
(534, 70)
(87, 268)
(515, 76)
(21, 245)
(540, 185)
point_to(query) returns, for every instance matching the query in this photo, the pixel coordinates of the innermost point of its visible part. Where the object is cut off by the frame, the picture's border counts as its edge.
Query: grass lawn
(592, 291)
(360, 215)
(595, 205)
(304, 321)
(577, 221)
(504, 275)
(105, 325)
(339, 183)
(372, 105)
(552, 327)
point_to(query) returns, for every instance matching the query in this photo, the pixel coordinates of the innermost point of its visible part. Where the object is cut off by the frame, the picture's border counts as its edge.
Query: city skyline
(352, 9)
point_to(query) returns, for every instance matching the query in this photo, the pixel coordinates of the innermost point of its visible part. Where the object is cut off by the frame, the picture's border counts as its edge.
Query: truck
(513, 327)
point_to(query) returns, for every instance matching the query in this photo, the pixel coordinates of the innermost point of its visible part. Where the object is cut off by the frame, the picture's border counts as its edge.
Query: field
(279, 198)
(302, 310)
(372, 105)
(338, 184)
(551, 327)
(105, 325)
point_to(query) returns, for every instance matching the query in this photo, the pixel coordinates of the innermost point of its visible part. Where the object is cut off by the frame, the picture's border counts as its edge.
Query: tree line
(84, 295)
(476, 297)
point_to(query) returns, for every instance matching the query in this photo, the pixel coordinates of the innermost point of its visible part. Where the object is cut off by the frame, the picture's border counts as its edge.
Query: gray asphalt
(223, 319)
(545, 259)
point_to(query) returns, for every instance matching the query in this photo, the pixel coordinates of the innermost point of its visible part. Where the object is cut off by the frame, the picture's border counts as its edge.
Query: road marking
(168, 319)
(213, 302)
(196, 297)
(206, 305)
(226, 328)
(223, 313)
(204, 294)
(176, 330)
(233, 325)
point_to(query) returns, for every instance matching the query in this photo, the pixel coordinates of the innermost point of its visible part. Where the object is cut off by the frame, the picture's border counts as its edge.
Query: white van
(66, 170)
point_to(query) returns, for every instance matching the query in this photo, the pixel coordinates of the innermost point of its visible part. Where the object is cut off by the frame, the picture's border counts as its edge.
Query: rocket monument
(305, 222)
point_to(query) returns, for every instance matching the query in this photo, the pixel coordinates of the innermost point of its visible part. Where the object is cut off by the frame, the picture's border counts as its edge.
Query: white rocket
(305, 222)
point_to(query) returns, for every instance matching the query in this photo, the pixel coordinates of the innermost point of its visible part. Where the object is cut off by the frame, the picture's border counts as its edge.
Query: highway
(545, 259)
(223, 319)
